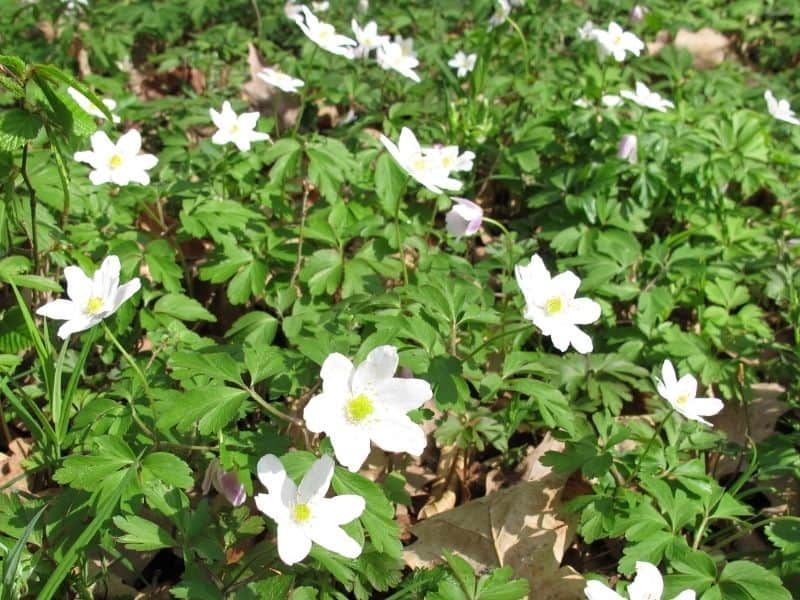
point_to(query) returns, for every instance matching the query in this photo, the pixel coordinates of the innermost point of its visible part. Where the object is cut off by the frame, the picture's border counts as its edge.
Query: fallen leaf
(707, 47)
(444, 492)
(269, 100)
(11, 467)
(521, 526)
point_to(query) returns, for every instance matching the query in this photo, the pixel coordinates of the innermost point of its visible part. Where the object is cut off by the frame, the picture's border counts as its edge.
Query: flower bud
(628, 148)
(464, 218)
(637, 14)
(225, 483)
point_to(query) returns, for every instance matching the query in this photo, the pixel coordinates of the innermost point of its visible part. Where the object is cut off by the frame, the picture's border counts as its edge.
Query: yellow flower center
(234, 128)
(617, 39)
(419, 164)
(94, 305)
(682, 399)
(325, 32)
(553, 306)
(301, 513)
(115, 161)
(359, 408)
(446, 162)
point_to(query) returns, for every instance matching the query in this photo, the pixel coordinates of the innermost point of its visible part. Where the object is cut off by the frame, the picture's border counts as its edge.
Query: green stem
(653, 437)
(494, 339)
(32, 194)
(521, 35)
(269, 407)
(142, 379)
(400, 245)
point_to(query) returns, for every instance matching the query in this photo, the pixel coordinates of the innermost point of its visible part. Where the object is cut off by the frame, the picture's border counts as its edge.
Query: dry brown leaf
(708, 47)
(269, 100)
(444, 492)
(11, 464)
(521, 526)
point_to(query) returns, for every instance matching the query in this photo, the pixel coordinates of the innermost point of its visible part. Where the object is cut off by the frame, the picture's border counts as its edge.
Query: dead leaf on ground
(269, 100)
(11, 468)
(521, 526)
(444, 492)
(708, 47)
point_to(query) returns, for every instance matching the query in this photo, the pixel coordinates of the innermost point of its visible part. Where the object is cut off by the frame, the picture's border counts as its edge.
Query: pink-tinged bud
(637, 14)
(628, 148)
(225, 483)
(464, 218)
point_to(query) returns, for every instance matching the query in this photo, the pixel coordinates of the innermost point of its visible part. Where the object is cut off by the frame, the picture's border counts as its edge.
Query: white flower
(552, 306)
(585, 31)
(391, 55)
(282, 81)
(90, 108)
(647, 585)
(90, 300)
(611, 100)
(424, 169)
(292, 11)
(501, 13)
(324, 35)
(303, 513)
(368, 38)
(239, 129)
(407, 44)
(644, 97)
(617, 42)
(682, 395)
(464, 63)
(364, 403)
(448, 158)
(363, 6)
(628, 148)
(464, 218)
(581, 103)
(118, 163)
(780, 109)
(321, 6)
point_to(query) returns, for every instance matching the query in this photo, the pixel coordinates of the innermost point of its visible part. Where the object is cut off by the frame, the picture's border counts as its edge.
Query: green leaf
(216, 365)
(92, 471)
(11, 559)
(212, 407)
(743, 576)
(323, 272)
(182, 307)
(463, 572)
(169, 468)
(17, 128)
(141, 534)
(390, 182)
(160, 259)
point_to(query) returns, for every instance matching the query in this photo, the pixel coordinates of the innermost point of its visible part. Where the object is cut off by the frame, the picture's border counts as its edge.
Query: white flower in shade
(391, 55)
(644, 97)
(611, 100)
(780, 109)
(682, 395)
(585, 31)
(647, 585)
(501, 13)
(224, 482)
(617, 42)
(239, 129)
(88, 106)
(628, 148)
(363, 6)
(368, 38)
(90, 300)
(324, 35)
(448, 158)
(464, 218)
(118, 163)
(368, 402)
(426, 170)
(303, 513)
(407, 44)
(463, 63)
(552, 306)
(282, 81)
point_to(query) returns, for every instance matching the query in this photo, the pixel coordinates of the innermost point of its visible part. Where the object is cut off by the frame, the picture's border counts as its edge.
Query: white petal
(647, 584)
(105, 280)
(79, 286)
(334, 538)
(143, 161)
(248, 120)
(272, 505)
(687, 386)
(323, 412)
(379, 366)
(561, 335)
(534, 276)
(398, 434)
(686, 595)
(407, 143)
(216, 118)
(583, 311)
(130, 143)
(565, 284)
(402, 395)
(595, 590)
(61, 310)
(668, 375)
(85, 156)
(81, 323)
(706, 407)
(272, 474)
(293, 542)
(580, 341)
(316, 481)
(340, 509)
(124, 292)
(101, 144)
(335, 374)
(351, 447)
(100, 176)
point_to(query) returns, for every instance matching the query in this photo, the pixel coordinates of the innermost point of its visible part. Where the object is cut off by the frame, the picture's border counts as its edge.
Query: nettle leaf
(17, 128)
(141, 534)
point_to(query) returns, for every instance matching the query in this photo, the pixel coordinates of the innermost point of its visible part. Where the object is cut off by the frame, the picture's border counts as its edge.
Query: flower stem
(521, 35)
(400, 245)
(32, 194)
(495, 338)
(639, 459)
(142, 379)
(269, 407)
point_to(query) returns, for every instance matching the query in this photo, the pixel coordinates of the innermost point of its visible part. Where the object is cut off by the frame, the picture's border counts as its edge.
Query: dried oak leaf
(521, 526)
